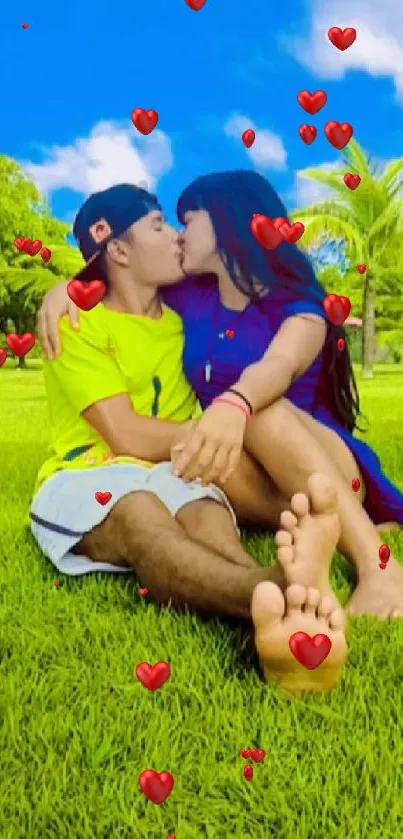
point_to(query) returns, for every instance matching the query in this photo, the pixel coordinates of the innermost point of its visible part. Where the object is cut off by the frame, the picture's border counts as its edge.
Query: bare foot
(309, 535)
(379, 593)
(276, 618)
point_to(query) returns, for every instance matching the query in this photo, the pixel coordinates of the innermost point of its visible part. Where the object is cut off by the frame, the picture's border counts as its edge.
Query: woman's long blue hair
(231, 199)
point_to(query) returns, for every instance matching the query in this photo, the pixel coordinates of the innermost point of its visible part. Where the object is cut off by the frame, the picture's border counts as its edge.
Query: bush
(390, 346)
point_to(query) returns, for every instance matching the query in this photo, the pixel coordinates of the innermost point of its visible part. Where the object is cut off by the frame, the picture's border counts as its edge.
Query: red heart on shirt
(312, 102)
(265, 232)
(153, 676)
(20, 344)
(229, 333)
(86, 295)
(337, 308)
(103, 497)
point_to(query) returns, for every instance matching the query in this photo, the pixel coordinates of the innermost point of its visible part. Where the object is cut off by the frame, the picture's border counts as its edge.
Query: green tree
(369, 220)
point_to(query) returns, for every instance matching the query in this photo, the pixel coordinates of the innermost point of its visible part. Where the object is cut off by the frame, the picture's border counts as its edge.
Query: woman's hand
(55, 304)
(213, 449)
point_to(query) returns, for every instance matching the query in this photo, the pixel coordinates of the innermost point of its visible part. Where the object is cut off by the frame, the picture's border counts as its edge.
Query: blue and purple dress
(221, 343)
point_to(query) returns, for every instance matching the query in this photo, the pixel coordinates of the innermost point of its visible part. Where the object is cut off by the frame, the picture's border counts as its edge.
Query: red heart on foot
(20, 344)
(361, 268)
(103, 497)
(86, 295)
(342, 38)
(21, 243)
(310, 652)
(257, 755)
(307, 133)
(33, 248)
(144, 121)
(338, 133)
(337, 308)
(3, 356)
(196, 5)
(156, 785)
(248, 773)
(265, 232)
(292, 232)
(46, 253)
(312, 102)
(153, 676)
(341, 344)
(355, 484)
(248, 138)
(352, 181)
(143, 591)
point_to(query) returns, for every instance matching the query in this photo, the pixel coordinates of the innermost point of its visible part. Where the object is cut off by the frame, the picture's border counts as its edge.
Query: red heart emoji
(86, 295)
(229, 333)
(3, 356)
(103, 497)
(361, 268)
(338, 133)
(153, 676)
(337, 308)
(156, 785)
(245, 753)
(257, 755)
(352, 181)
(307, 133)
(248, 138)
(20, 344)
(24, 26)
(342, 38)
(312, 102)
(143, 591)
(144, 121)
(310, 652)
(265, 232)
(21, 243)
(292, 232)
(355, 483)
(46, 253)
(196, 5)
(248, 773)
(32, 248)
(341, 344)
(277, 222)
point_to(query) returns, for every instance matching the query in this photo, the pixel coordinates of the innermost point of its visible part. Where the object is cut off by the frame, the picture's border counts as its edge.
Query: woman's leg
(289, 451)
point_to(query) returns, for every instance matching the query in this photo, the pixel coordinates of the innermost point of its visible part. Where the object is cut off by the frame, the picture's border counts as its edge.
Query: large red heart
(103, 497)
(265, 232)
(21, 243)
(32, 248)
(248, 137)
(196, 5)
(312, 102)
(144, 121)
(337, 308)
(3, 356)
(307, 133)
(20, 344)
(291, 232)
(153, 676)
(156, 785)
(342, 38)
(338, 133)
(310, 652)
(351, 181)
(86, 295)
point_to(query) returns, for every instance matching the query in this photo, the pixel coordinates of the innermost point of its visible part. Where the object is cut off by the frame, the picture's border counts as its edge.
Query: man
(119, 402)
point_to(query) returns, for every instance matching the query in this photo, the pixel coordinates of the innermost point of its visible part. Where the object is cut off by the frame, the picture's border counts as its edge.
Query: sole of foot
(309, 534)
(277, 617)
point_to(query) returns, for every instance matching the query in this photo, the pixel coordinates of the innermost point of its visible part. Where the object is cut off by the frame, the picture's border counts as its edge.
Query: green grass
(77, 728)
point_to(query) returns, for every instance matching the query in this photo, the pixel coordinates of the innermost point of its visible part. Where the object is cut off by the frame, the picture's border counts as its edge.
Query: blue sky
(71, 80)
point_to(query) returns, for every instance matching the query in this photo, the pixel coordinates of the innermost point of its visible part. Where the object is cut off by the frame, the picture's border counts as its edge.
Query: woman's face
(198, 243)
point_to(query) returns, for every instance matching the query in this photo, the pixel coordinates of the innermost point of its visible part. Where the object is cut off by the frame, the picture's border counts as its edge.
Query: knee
(272, 420)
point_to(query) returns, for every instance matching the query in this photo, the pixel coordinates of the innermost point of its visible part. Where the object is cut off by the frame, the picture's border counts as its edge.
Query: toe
(295, 597)
(267, 604)
(322, 494)
(283, 538)
(325, 607)
(337, 619)
(285, 556)
(288, 521)
(300, 504)
(397, 613)
(312, 600)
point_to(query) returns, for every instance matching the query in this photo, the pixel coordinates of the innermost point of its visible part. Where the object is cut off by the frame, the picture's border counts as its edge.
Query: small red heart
(307, 133)
(143, 591)
(144, 121)
(86, 295)
(196, 5)
(33, 248)
(21, 243)
(56, 585)
(355, 484)
(248, 773)
(310, 651)
(24, 26)
(46, 253)
(265, 232)
(338, 133)
(312, 102)
(352, 181)
(229, 333)
(257, 755)
(103, 497)
(292, 232)
(20, 344)
(342, 38)
(337, 308)
(156, 785)
(3, 356)
(153, 676)
(341, 344)
(384, 553)
(248, 138)
(245, 753)
(382, 565)
(361, 268)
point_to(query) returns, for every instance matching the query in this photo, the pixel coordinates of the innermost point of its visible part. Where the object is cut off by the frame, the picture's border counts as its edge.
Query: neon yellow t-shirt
(112, 353)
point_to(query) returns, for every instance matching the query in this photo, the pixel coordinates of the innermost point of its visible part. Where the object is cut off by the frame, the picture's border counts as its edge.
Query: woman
(254, 323)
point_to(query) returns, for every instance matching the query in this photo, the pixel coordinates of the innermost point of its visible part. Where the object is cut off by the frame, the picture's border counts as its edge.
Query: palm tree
(369, 220)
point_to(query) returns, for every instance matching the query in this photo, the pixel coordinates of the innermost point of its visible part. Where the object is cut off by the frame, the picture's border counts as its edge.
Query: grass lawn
(77, 728)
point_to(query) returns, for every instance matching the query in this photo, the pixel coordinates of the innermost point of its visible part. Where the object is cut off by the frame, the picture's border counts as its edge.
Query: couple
(253, 330)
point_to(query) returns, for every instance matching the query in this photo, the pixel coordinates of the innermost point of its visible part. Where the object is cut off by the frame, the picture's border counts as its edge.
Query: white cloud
(111, 154)
(306, 192)
(267, 152)
(378, 49)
